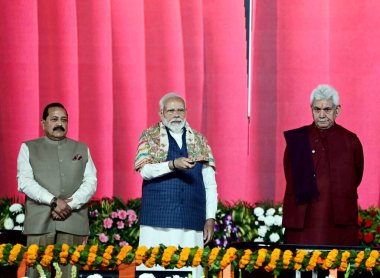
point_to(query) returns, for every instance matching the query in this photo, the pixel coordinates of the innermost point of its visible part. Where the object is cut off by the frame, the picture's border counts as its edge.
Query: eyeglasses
(327, 110)
(172, 111)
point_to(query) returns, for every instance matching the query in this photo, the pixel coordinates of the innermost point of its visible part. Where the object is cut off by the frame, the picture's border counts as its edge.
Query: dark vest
(175, 200)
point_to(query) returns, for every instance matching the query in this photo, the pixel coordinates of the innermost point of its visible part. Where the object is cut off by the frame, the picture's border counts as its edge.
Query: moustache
(61, 128)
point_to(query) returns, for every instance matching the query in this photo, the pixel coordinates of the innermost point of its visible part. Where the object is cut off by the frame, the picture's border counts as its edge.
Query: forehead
(57, 112)
(174, 102)
(323, 103)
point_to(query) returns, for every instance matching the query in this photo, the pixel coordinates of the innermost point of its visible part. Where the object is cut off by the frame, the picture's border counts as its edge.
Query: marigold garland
(287, 257)
(64, 254)
(48, 256)
(371, 261)
(32, 255)
(276, 253)
(123, 254)
(107, 256)
(140, 254)
(300, 255)
(15, 251)
(244, 260)
(167, 255)
(331, 257)
(197, 258)
(110, 257)
(76, 255)
(262, 253)
(313, 260)
(183, 256)
(344, 264)
(152, 260)
(228, 257)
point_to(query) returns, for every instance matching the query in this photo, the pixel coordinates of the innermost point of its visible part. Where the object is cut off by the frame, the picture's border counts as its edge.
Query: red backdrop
(109, 62)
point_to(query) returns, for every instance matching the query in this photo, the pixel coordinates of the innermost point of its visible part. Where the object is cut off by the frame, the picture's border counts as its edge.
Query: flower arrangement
(114, 222)
(214, 259)
(12, 215)
(369, 226)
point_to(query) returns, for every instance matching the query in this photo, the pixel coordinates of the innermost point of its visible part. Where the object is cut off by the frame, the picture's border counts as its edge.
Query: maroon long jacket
(341, 174)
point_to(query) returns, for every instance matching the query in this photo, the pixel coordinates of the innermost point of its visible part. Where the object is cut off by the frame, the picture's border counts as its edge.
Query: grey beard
(173, 128)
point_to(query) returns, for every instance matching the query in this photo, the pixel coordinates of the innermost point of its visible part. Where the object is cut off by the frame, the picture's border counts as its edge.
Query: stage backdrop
(109, 62)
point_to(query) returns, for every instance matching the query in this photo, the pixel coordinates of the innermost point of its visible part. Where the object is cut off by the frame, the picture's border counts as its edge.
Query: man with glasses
(323, 165)
(179, 196)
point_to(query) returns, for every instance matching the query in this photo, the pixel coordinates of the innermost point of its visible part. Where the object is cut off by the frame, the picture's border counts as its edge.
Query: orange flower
(152, 260)
(183, 256)
(313, 260)
(32, 254)
(262, 253)
(213, 255)
(245, 258)
(48, 255)
(228, 257)
(64, 254)
(371, 261)
(13, 254)
(299, 259)
(344, 264)
(140, 254)
(167, 255)
(287, 256)
(273, 260)
(197, 258)
(76, 255)
(122, 254)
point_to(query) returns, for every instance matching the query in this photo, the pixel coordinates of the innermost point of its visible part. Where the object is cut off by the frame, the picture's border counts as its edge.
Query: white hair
(169, 96)
(324, 92)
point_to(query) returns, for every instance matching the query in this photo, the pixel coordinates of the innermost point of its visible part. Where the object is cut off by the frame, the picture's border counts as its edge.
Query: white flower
(258, 239)
(256, 223)
(96, 275)
(16, 207)
(20, 218)
(8, 224)
(283, 231)
(262, 230)
(261, 218)
(17, 228)
(147, 275)
(278, 220)
(258, 211)
(274, 237)
(270, 212)
(269, 220)
(280, 210)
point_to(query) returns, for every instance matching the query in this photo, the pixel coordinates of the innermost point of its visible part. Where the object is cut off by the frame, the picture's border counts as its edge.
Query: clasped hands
(62, 210)
(182, 163)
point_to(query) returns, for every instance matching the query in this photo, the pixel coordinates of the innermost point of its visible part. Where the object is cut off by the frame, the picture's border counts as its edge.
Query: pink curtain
(109, 62)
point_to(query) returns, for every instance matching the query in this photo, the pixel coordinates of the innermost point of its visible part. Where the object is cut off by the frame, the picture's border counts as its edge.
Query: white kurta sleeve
(25, 179)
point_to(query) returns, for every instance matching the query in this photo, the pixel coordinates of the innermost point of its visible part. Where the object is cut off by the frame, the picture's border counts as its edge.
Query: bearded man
(179, 192)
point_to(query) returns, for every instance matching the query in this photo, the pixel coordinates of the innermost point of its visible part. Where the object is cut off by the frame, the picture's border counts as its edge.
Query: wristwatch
(53, 203)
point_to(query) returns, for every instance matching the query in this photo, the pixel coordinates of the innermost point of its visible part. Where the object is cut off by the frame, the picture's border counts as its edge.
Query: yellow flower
(1, 251)
(359, 258)
(32, 254)
(245, 258)
(299, 259)
(371, 261)
(287, 256)
(273, 260)
(107, 256)
(183, 256)
(140, 254)
(167, 255)
(76, 255)
(152, 260)
(213, 255)
(228, 257)
(13, 254)
(343, 262)
(64, 254)
(313, 260)
(48, 255)
(262, 253)
(122, 254)
(197, 258)
(331, 257)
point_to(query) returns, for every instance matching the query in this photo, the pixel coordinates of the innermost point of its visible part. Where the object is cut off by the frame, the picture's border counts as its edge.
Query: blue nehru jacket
(175, 200)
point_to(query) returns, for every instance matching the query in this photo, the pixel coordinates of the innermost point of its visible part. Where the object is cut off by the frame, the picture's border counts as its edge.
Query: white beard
(173, 126)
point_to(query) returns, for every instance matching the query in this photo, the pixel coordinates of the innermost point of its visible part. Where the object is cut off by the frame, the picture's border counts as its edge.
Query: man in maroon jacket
(323, 166)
